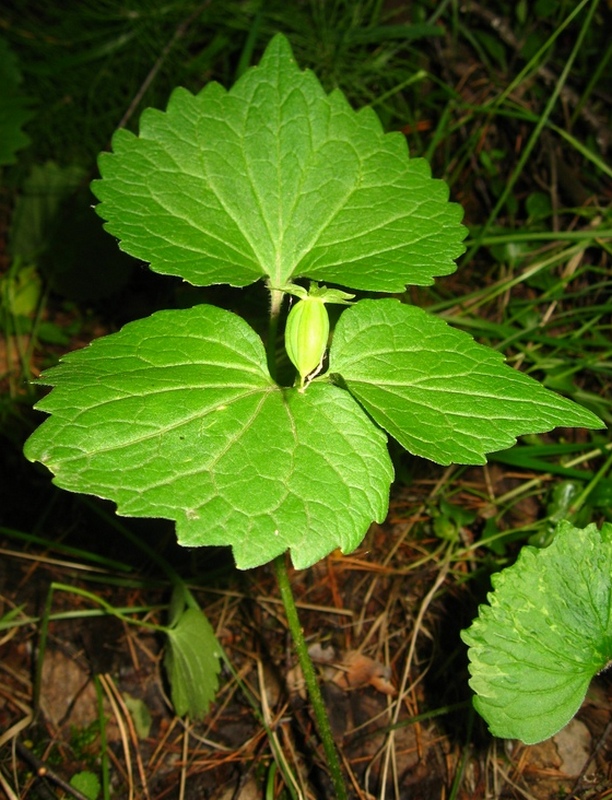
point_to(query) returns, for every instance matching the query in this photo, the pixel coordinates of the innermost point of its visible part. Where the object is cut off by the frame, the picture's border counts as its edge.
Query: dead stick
(44, 772)
(178, 34)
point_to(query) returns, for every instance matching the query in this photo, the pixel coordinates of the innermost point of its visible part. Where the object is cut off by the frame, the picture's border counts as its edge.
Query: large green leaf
(176, 416)
(545, 634)
(276, 179)
(437, 391)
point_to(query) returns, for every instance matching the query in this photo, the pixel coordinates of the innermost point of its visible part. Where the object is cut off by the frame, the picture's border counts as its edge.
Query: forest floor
(382, 623)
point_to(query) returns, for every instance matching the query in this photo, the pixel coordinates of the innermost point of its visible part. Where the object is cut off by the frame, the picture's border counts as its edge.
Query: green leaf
(277, 179)
(176, 416)
(86, 783)
(20, 289)
(192, 663)
(140, 714)
(14, 113)
(38, 205)
(433, 388)
(545, 634)
(15, 108)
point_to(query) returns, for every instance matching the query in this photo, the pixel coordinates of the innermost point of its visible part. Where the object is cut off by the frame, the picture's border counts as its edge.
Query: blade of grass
(59, 547)
(543, 119)
(104, 754)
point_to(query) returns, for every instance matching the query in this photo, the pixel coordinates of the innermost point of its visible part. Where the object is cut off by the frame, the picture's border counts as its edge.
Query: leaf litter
(383, 624)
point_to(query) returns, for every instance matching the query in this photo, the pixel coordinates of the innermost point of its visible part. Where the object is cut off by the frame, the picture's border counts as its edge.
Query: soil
(382, 624)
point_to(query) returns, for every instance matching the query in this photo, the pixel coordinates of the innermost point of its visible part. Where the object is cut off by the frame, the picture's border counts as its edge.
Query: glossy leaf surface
(275, 178)
(435, 390)
(546, 632)
(176, 416)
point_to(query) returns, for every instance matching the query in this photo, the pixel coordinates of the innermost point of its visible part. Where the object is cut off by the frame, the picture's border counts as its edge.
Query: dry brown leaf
(359, 670)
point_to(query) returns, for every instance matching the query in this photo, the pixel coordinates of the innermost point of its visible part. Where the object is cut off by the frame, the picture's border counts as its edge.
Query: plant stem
(276, 302)
(316, 699)
(280, 566)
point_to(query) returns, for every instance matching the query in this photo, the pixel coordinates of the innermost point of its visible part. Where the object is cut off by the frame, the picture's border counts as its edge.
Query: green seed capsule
(306, 335)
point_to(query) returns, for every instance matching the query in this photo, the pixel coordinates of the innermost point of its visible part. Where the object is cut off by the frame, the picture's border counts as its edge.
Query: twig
(580, 780)
(45, 772)
(180, 31)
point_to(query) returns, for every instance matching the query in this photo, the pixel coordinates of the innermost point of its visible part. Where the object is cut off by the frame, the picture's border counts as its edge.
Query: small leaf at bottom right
(546, 632)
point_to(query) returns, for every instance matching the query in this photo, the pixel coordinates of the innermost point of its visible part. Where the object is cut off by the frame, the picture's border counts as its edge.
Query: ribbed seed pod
(306, 335)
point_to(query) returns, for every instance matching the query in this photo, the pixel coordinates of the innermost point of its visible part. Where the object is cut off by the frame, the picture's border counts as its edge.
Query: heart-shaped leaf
(545, 634)
(276, 179)
(438, 392)
(176, 416)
